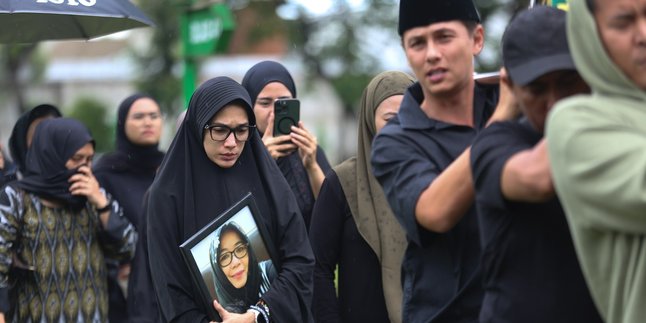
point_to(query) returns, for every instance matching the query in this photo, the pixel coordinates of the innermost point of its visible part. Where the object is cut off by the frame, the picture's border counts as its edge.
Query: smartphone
(286, 115)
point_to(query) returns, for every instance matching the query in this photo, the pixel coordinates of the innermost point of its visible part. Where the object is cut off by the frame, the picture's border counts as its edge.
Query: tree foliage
(158, 75)
(93, 114)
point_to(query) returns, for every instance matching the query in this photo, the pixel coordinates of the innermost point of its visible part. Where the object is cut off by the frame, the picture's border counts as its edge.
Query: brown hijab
(370, 210)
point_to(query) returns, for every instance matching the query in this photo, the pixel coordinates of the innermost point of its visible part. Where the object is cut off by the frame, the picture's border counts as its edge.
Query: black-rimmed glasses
(220, 132)
(226, 257)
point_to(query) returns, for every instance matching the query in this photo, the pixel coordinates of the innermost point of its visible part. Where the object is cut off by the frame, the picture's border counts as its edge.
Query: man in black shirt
(530, 269)
(421, 158)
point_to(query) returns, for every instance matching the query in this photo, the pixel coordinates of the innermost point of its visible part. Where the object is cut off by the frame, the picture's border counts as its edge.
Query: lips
(436, 75)
(229, 156)
(238, 275)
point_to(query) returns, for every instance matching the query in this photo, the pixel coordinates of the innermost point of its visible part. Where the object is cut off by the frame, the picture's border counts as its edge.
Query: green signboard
(204, 32)
(207, 31)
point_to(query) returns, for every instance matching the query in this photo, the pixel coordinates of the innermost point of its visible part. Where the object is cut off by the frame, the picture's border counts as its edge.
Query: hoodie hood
(591, 59)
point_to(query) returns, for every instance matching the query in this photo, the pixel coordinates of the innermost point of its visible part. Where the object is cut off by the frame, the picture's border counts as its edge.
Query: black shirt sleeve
(491, 150)
(404, 172)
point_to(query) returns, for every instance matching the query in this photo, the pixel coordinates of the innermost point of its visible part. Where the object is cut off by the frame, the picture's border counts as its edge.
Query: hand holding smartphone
(286, 115)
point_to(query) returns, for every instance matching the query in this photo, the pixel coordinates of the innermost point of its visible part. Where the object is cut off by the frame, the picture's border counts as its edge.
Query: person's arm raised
(307, 146)
(526, 176)
(451, 194)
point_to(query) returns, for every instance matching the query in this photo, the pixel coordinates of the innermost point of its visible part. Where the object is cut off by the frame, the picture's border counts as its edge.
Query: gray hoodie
(597, 149)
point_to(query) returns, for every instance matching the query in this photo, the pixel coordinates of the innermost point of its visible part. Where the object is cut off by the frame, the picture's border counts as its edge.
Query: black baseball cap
(418, 13)
(535, 43)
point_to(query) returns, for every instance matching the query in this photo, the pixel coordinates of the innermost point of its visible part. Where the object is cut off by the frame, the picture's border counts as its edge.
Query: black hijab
(130, 156)
(237, 300)
(55, 142)
(18, 139)
(263, 73)
(190, 191)
(291, 165)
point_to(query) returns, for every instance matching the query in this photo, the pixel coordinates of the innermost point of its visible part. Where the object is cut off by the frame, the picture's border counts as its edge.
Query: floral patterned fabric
(52, 266)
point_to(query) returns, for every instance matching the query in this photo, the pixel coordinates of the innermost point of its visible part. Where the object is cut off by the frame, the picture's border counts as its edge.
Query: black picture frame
(197, 251)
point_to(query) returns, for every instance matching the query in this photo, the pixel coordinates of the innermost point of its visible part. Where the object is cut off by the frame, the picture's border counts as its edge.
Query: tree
(14, 59)
(158, 64)
(93, 114)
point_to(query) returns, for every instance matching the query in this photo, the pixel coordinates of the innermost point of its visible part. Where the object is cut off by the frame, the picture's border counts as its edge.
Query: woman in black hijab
(58, 225)
(258, 275)
(215, 159)
(126, 174)
(23, 131)
(300, 159)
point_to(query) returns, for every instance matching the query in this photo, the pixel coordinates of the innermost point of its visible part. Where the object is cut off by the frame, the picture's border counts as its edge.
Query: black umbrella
(28, 21)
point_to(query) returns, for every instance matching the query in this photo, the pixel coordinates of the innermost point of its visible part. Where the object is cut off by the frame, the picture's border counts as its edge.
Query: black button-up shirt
(440, 271)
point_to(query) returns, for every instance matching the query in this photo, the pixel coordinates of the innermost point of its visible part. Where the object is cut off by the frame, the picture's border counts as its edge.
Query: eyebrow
(240, 242)
(220, 124)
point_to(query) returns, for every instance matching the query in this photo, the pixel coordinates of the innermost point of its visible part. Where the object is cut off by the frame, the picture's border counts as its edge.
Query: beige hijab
(368, 204)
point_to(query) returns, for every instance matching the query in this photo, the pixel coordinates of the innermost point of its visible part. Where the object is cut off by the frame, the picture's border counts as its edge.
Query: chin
(226, 164)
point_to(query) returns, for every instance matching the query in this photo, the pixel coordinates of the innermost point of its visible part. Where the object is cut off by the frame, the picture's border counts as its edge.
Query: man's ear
(504, 77)
(478, 39)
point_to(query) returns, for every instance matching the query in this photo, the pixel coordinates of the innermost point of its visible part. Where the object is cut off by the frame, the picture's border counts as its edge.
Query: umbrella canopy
(29, 21)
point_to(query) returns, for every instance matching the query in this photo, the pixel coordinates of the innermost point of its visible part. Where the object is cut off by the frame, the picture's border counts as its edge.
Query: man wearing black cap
(530, 269)
(421, 158)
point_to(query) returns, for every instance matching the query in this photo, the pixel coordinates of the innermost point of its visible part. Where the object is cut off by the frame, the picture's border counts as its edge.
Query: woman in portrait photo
(240, 279)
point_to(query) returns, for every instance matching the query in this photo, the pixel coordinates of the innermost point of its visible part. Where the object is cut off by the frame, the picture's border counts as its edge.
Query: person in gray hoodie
(597, 149)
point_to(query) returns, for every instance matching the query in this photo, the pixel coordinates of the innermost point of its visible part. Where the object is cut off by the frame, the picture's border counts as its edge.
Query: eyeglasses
(226, 257)
(220, 132)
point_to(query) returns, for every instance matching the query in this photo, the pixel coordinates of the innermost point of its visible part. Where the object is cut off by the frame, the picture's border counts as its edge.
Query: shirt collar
(412, 117)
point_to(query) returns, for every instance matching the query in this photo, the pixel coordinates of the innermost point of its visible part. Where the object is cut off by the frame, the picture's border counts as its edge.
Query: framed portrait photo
(232, 259)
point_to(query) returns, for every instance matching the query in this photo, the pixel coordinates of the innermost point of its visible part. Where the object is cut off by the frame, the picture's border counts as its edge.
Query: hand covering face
(55, 142)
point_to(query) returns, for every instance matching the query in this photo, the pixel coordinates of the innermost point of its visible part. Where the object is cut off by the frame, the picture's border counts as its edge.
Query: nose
(234, 261)
(432, 54)
(230, 141)
(641, 32)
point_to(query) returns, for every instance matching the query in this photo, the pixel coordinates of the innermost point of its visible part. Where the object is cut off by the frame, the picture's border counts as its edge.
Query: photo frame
(238, 238)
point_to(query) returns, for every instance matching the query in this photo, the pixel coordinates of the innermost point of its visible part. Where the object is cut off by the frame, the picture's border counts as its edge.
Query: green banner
(207, 31)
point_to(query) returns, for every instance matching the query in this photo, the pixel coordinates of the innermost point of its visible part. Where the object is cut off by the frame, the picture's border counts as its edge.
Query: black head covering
(18, 139)
(418, 13)
(190, 191)
(55, 142)
(235, 299)
(263, 73)
(129, 156)
(291, 165)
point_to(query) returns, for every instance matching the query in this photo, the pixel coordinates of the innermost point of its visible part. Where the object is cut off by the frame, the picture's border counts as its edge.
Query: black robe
(190, 191)
(126, 174)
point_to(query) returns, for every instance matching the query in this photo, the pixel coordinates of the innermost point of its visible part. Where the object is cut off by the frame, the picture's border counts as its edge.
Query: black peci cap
(535, 43)
(417, 13)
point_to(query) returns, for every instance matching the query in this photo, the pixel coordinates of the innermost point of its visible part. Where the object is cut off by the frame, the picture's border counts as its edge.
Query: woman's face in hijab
(386, 110)
(264, 104)
(237, 270)
(225, 153)
(144, 123)
(82, 157)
